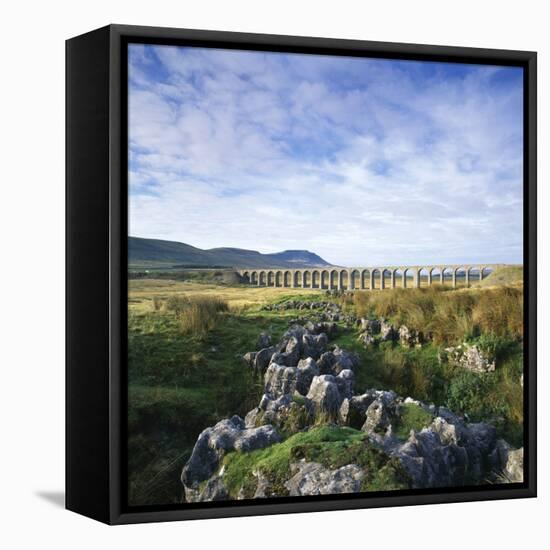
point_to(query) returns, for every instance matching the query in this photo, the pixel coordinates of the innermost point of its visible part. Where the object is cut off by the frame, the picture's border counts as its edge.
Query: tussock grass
(450, 316)
(197, 315)
(412, 417)
(142, 291)
(507, 275)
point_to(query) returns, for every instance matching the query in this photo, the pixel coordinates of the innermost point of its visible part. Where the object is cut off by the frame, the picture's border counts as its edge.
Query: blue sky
(363, 161)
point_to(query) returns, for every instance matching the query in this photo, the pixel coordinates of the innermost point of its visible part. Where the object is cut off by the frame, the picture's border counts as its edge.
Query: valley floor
(184, 378)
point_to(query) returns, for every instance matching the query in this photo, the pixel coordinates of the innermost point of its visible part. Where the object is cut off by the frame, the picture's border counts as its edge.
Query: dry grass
(143, 292)
(197, 315)
(450, 315)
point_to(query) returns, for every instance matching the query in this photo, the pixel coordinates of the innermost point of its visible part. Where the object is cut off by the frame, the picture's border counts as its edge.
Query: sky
(362, 161)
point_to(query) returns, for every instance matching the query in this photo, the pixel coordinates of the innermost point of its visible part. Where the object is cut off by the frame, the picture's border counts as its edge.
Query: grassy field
(182, 379)
(179, 382)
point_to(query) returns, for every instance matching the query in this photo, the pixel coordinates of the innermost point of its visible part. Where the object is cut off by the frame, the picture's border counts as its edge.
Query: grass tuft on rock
(331, 446)
(412, 417)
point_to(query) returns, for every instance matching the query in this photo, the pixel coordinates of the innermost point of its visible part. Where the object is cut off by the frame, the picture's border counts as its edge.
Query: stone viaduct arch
(368, 278)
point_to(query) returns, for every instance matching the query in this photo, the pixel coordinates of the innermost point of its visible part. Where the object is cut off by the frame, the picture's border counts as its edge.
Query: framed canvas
(301, 274)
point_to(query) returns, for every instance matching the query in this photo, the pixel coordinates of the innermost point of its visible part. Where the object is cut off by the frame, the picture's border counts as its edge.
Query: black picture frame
(96, 271)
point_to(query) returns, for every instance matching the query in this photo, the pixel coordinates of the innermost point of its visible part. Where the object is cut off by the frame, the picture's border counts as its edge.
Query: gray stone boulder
(370, 326)
(268, 411)
(213, 443)
(378, 417)
(249, 359)
(354, 409)
(513, 468)
(264, 341)
(387, 331)
(314, 345)
(289, 413)
(295, 331)
(468, 356)
(290, 353)
(280, 380)
(344, 360)
(325, 395)
(325, 362)
(214, 490)
(293, 350)
(367, 339)
(326, 327)
(307, 370)
(431, 463)
(410, 337)
(507, 462)
(263, 358)
(311, 478)
(447, 453)
(345, 382)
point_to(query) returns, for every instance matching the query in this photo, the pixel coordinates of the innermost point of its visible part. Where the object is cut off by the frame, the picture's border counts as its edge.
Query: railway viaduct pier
(367, 278)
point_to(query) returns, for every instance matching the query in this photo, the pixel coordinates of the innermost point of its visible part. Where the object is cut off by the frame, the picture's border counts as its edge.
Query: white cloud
(361, 161)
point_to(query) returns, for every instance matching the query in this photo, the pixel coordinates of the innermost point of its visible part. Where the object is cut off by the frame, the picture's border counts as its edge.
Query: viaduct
(351, 278)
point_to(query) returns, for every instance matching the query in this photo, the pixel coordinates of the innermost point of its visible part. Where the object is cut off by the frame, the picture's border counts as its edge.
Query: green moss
(390, 477)
(331, 446)
(412, 417)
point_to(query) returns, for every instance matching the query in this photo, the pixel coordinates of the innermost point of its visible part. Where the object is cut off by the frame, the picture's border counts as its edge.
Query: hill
(506, 275)
(155, 253)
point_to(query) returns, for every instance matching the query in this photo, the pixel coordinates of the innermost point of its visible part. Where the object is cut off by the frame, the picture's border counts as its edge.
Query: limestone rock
(262, 359)
(344, 360)
(307, 370)
(378, 417)
(249, 358)
(410, 337)
(387, 332)
(370, 326)
(212, 444)
(366, 338)
(345, 382)
(353, 410)
(324, 395)
(326, 362)
(469, 356)
(280, 380)
(286, 413)
(311, 478)
(314, 345)
(264, 341)
(508, 462)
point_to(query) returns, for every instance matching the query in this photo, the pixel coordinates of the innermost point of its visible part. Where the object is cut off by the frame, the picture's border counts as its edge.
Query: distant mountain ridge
(156, 253)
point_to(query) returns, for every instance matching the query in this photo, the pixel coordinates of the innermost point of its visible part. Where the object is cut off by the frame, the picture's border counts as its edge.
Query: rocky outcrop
(280, 380)
(264, 341)
(410, 337)
(374, 331)
(369, 326)
(307, 370)
(313, 346)
(387, 331)
(262, 359)
(468, 356)
(289, 413)
(353, 410)
(329, 328)
(310, 478)
(377, 417)
(213, 443)
(508, 462)
(306, 384)
(325, 396)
